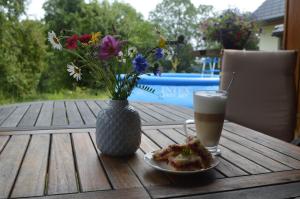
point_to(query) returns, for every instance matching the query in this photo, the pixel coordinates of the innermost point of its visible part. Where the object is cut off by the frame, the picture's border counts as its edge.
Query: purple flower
(110, 47)
(140, 63)
(159, 53)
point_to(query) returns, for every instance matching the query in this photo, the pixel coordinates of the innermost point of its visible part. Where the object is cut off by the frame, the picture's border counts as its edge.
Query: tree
(79, 17)
(179, 17)
(22, 51)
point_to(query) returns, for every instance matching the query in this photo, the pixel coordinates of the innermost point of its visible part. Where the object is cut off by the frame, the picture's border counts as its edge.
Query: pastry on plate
(185, 157)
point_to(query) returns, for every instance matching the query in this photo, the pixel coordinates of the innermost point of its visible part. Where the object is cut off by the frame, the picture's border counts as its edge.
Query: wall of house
(267, 42)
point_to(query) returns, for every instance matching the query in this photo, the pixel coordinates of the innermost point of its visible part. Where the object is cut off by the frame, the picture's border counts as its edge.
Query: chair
(262, 95)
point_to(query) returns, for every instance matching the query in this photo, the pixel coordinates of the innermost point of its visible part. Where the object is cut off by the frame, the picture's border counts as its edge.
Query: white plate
(163, 166)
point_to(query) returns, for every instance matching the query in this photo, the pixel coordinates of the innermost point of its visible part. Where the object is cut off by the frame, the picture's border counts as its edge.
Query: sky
(35, 11)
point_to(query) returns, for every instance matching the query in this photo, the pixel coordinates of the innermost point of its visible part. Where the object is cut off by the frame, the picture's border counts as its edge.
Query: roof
(270, 10)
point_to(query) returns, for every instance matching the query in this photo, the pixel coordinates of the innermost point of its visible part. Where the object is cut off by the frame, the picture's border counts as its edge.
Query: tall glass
(209, 114)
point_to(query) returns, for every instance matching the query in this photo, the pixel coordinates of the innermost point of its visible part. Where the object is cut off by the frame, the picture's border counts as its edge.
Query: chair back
(263, 94)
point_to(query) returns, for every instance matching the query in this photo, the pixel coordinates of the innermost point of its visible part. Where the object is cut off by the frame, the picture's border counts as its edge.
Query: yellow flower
(162, 42)
(95, 37)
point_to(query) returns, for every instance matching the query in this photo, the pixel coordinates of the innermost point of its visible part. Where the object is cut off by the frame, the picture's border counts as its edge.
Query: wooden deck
(80, 114)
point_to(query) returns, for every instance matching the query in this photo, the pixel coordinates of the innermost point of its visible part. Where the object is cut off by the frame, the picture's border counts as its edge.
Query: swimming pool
(174, 88)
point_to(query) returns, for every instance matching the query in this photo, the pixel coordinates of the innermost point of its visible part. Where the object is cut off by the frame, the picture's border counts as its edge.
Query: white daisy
(74, 71)
(52, 38)
(168, 55)
(121, 57)
(132, 51)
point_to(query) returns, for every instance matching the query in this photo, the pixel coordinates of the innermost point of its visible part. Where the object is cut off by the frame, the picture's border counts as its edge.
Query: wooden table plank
(145, 173)
(268, 141)
(31, 115)
(289, 190)
(144, 115)
(59, 114)
(102, 104)
(62, 177)
(174, 111)
(10, 162)
(152, 113)
(3, 142)
(242, 162)
(94, 107)
(15, 117)
(86, 113)
(118, 171)
(158, 138)
(169, 115)
(73, 113)
(225, 184)
(32, 175)
(5, 113)
(45, 117)
(284, 159)
(147, 145)
(253, 156)
(90, 171)
(132, 193)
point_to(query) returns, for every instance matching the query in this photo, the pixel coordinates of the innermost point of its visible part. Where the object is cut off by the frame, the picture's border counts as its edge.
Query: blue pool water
(174, 88)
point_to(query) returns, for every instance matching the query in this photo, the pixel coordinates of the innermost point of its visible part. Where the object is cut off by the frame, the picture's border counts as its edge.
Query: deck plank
(31, 115)
(73, 114)
(86, 113)
(10, 162)
(62, 177)
(45, 117)
(90, 171)
(32, 175)
(14, 119)
(59, 114)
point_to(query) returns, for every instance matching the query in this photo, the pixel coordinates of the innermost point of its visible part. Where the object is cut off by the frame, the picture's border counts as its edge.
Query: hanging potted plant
(119, 64)
(231, 29)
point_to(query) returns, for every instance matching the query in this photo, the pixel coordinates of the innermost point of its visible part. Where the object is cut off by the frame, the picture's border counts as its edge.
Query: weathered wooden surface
(81, 114)
(67, 164)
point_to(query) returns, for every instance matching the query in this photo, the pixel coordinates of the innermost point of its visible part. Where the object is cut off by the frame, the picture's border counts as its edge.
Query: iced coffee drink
(209, 113)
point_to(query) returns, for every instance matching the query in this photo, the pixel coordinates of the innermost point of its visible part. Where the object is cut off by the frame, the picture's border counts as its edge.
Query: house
(270, 14)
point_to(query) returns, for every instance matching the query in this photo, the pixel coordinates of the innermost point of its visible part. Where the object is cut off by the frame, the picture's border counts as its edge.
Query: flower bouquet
(119, 64)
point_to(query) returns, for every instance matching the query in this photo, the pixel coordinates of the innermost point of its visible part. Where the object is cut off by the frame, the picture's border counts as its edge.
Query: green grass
(63, 94)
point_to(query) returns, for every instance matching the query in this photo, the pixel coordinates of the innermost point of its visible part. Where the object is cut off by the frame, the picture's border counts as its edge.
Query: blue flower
(140, 63)
(159, 53)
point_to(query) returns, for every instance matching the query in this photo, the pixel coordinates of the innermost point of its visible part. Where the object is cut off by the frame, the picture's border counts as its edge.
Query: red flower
(85, 38)
(72, 42)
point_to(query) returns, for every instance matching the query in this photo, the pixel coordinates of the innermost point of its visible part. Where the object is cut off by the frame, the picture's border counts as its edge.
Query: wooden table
(65, 163)
(80, 114)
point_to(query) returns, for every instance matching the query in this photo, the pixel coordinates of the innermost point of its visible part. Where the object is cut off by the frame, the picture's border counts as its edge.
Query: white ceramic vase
(118, 129)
